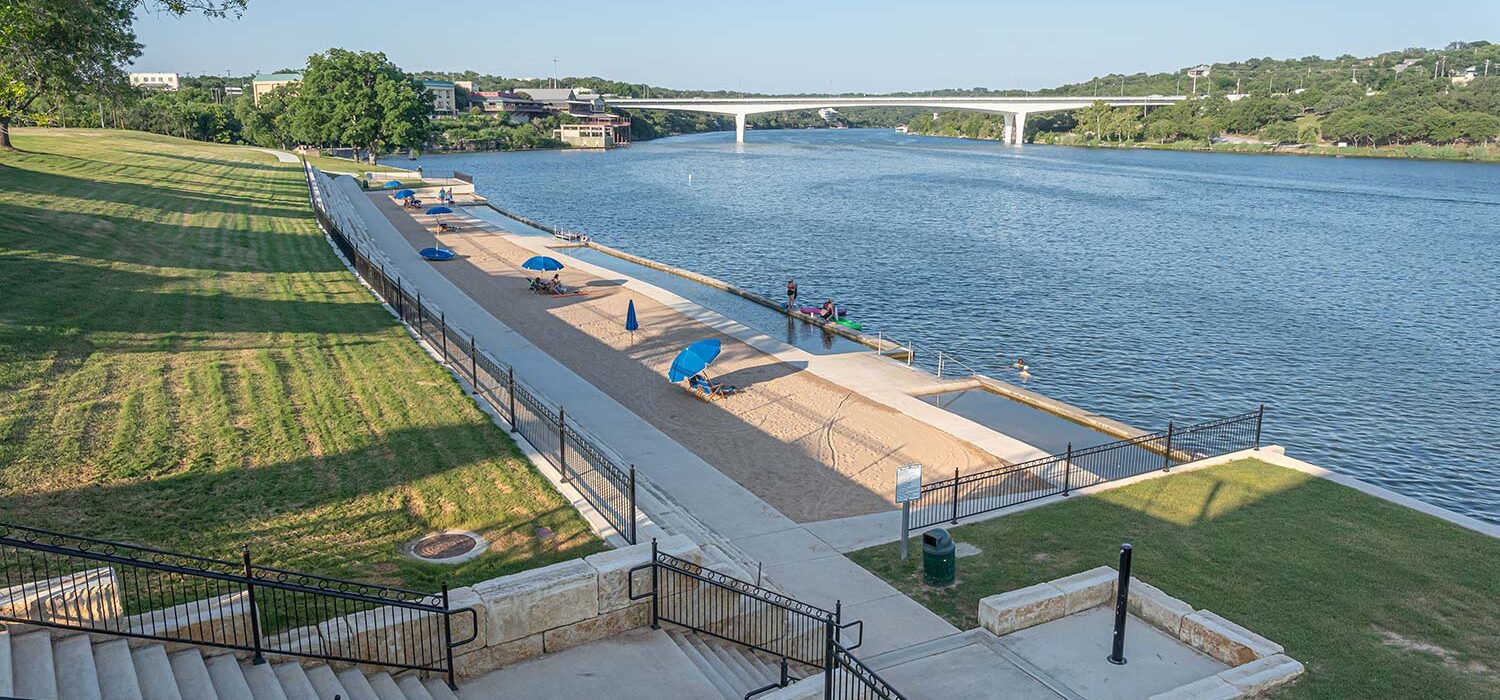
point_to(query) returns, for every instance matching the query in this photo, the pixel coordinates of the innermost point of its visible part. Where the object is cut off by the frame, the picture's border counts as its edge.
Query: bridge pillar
(1018, 131)
(1010, 127)
(739, 128)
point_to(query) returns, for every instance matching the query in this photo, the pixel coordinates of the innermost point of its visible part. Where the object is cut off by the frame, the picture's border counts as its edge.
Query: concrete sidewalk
(794, 560)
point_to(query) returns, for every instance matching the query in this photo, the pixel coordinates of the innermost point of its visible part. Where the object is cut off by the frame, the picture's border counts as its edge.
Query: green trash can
(938, 568)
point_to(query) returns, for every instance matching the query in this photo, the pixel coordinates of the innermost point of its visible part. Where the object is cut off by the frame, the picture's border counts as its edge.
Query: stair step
(412, 686)
(325, 684)
(117, 679)
(439, 689)
(6, 689)
(357, 685)
(736, 668)
(228, 679)
(264, 685)
(294, 682)
(709, 671)
(192, 675)
(31, 662)
(386, 688)
(154, 671)
(77, 678)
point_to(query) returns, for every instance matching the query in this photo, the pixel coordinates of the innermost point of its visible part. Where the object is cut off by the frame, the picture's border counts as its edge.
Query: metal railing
(966, 495)
(604, 479)
(79, 583)
(708, 602)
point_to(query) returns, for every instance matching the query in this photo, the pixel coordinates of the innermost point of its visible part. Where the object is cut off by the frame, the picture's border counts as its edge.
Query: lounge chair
(709, 390)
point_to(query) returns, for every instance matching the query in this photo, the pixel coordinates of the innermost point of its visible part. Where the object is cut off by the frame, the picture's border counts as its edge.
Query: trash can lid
(937, 538)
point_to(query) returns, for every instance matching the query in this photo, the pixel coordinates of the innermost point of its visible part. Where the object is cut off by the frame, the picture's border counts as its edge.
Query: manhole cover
(447, 547)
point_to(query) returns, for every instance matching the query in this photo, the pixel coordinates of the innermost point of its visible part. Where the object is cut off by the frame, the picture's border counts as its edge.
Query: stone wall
(1257, 664)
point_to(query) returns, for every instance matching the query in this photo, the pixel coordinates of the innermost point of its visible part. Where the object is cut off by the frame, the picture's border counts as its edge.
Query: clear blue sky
(807, 46)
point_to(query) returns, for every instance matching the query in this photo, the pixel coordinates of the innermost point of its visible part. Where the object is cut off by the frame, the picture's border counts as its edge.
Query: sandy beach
(811, 448)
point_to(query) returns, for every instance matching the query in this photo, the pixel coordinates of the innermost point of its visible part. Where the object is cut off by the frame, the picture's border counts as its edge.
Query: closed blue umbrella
(541, 263)
(392, 183)
(403, 194)
(630, 323)
(693, 359)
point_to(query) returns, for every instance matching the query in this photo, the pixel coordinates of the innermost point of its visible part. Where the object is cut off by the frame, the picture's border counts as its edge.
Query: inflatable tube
(851, 325)
(815, 310)
(436, 253)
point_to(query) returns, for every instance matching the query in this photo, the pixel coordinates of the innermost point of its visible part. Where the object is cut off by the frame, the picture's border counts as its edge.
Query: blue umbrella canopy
(436, 253)
(541, 263)
(403, 194)
(392, 183)
(630, 321)
(693, 359)
(440, 210)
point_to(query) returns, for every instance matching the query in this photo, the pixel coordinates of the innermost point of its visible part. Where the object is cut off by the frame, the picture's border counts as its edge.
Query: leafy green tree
(360, 99)
(58, 47)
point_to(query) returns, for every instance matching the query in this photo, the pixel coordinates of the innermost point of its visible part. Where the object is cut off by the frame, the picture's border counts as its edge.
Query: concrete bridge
(1015, 109)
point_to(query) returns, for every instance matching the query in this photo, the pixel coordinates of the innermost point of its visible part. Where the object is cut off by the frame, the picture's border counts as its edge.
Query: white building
(154, 81)
(444, 98)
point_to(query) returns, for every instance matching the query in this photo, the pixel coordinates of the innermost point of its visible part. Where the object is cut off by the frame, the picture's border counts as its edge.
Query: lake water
(1358, 299)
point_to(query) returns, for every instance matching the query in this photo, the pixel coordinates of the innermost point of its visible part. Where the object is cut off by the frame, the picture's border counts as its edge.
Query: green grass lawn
(1377, 600)
(185, 363)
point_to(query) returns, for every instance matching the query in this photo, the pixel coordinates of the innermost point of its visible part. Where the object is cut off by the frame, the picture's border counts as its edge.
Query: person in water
(829, 313)
(791, 294)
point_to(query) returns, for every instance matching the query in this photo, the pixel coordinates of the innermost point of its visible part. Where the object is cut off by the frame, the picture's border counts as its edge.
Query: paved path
(281, 156)
(795, 561)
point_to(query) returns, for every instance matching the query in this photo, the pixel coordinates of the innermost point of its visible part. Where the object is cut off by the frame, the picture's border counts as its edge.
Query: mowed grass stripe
(186, 364)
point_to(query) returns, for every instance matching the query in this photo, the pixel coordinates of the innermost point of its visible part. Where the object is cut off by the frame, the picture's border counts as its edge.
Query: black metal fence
(709, 602)
(58, 580)
(962, 496)
(606, 480)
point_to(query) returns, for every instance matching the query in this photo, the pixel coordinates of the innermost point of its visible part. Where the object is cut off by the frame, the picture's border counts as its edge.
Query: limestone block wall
(1257, 664)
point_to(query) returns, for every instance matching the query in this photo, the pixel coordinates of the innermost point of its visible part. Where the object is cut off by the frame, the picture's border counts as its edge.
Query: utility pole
(554, 71)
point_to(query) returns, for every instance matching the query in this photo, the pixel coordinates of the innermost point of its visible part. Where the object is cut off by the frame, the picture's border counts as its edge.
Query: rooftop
(276, 77)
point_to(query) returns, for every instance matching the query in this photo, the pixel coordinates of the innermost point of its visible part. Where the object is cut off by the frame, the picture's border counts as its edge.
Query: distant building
(155, 81)
(1405, 63)
(266, 82)
(444, 98)
(467, 85)
(518, 108)
(1199, 71)
(233, 90)
(596, 131)
(566, 100)
(1468, 76)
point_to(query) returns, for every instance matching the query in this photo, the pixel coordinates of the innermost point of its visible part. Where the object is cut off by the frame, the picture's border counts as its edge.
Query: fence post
(562, 444)
(254, 611)
(1260, 417)
(1068, 470)
(940, 364)
(655, 588)
(419, 314)
(1166, 457)
(400, 300)
(955, 495)
(511, 372)
(448, 636)
(474, 362)
(632, 504)
(443, 331)
(828, 632)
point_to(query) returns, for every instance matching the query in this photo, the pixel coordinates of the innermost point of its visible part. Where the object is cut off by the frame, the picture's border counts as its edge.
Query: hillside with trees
(1394, 101)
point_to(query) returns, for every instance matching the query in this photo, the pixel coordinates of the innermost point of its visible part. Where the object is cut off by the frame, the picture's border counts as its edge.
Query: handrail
(858, 681)
(98, 586)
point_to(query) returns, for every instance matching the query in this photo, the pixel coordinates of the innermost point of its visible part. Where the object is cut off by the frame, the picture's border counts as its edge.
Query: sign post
(908, 489)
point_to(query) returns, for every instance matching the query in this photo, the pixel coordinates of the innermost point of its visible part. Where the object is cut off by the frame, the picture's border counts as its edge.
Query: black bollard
(1117, 652)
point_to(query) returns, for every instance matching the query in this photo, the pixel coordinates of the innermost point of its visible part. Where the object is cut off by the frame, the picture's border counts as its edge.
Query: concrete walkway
(281, 156)
(794, 560)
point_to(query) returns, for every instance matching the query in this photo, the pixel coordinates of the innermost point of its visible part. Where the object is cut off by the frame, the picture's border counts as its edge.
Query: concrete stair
(733, 669)
(57, 665)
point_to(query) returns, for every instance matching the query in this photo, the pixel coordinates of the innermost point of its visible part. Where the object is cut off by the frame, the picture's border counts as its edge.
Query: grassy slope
(1353, 586)
(185, 363)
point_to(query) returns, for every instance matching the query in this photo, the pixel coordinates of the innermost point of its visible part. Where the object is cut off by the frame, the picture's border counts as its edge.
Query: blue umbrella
(630, 323)
(693, 359)
(440, 210)
(403, 194)
(436, 253)
(541, 263)
(392, 183)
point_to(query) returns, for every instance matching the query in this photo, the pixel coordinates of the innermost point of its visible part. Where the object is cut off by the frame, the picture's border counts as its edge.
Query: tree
(57, 47)
(360, 99)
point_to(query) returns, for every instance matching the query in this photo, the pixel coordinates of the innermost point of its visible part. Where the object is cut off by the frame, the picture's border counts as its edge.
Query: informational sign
(908, 483)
